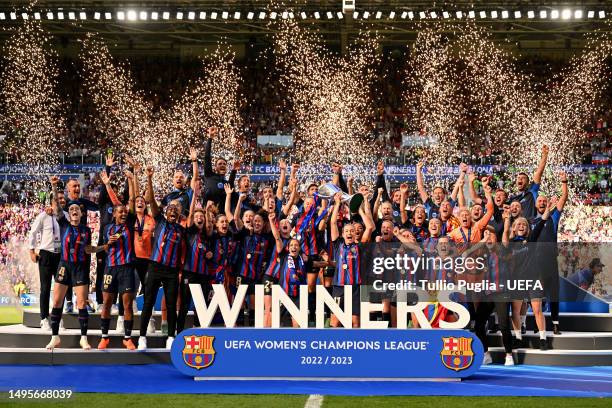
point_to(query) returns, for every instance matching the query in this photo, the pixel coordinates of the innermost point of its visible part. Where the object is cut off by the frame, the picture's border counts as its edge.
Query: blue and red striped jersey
(348, 263)
(197, 247)
(274, 262)
(121, 252)
(254, 251)
(292, 273)
(74, 239)
(305, 230)
(168, 242)
(223, 248)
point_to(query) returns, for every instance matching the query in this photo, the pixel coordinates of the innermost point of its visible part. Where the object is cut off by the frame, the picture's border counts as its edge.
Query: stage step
(19, 336)
(23, 356)
(577, 322)
(565, 341)
(576, 358)
(31, 318)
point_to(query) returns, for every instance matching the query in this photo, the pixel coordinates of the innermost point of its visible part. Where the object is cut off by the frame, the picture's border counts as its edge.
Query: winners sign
(326, 354)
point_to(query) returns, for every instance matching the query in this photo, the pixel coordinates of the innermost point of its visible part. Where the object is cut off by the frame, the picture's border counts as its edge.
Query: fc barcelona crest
(199, 352)
(457, 353)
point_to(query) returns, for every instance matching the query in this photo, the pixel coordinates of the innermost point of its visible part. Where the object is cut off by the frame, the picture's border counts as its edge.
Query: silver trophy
(328, 191)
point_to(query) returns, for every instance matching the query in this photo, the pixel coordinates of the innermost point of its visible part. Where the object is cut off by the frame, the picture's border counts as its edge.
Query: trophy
(329, 190)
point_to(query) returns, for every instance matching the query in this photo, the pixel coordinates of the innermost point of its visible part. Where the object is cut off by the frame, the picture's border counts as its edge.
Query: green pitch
(10, 315)
(291, 401)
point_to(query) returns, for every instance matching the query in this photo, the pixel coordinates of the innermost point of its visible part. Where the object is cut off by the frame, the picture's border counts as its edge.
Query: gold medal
(344, 266)
(249, 256)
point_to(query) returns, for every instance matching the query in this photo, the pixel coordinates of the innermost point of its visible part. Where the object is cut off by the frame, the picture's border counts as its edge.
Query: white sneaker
(142, 343)
(84, 343)
(99, 308)
(120, 328)
(509, 360)
(151, 326)
(55, 341)
(487, 359)
(169, 342)
(45, 325)
(114, 309)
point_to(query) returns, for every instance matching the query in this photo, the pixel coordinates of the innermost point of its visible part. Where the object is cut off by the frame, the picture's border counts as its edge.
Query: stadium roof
(187, 27)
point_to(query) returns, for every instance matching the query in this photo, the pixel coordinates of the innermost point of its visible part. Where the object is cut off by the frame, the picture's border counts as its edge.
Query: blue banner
(218, 353)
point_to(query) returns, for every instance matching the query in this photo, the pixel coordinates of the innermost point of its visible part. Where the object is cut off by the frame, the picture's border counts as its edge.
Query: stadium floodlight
(433, 14)
(422, 15)
(154, 15)
(355, 14)
(602, 14)
(143, 15)
(366, 14)
(273, 15)
(378, 15)
(37, 16)
(404, 14)
(108, 16)
(179, 15)
(224, 15)
(392, 15)
(590, 14)
(166, 15)
(493, 13)
(250, 15)
(237, 15)
(60, 15)
(284, 15)
(578, 14)
(517, 14)
(71, 15)
(83, 15)
(566, 14)
(317, 15)
(191, 15)
(483, 14)
(505, 14)
(131, 15)
(96, 16)
(530, 14)
(459, 14)
(445, 14)
(213, 15)
(303, 15)
(120, 15)
(543, 14)
(2, 16)
(25, 16)
(262, 15)
(472, 14)
(554, 14)
(341, 15)
(291, 15)
(13, 16)
(330, 15)
(410, 15)
(202, 15)
(49, 16)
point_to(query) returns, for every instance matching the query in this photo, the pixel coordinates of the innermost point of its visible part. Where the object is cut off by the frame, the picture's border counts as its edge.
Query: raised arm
(334, 217)
(564, 191)
(380, 180)
(472, 190)
(366, 216)
(460, 197)
(208, 169)
(403, 199)
(195, 171)
(238, 211)
(292, 197)
(420, 182)
(275, 233)
(482, 223)
(537, 175)
(192, 205)
(209, 218)
(109, 190)
(132, 191)
(228, 202)
(506, 233)
(459, 182)
(150, 196)
(379, 193)
(57, 208)
(282, 165)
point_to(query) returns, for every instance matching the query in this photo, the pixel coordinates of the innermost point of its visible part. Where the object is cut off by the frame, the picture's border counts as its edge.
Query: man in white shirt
(45, 246)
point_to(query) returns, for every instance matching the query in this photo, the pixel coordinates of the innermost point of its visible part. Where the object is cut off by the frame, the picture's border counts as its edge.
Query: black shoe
(535, 330)
(543, 345)
(494, 329)
(523, 329)
(556, 329)
(517, 343)
(245, 318)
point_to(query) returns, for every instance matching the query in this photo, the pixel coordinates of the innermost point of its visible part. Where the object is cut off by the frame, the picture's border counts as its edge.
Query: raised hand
(236, 165)
(54, 180)
(545, 149)
(104, 177)
(282, 164)
(271, 217)
(463, 168)
(193, 154)
(212, 132)
(563, 177)
(404, 188)
(109, 159)
(380, 167)
(419, 165)
(128, 174)
(228, 189)
(150, 171)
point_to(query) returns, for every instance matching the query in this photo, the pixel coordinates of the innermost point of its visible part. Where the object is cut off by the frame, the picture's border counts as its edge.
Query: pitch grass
(10, 315)
(291, 401)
